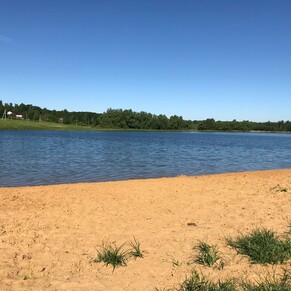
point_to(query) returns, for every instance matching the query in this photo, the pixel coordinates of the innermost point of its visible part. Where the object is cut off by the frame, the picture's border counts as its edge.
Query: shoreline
(23, 125)
(145, 179)
(50, 234)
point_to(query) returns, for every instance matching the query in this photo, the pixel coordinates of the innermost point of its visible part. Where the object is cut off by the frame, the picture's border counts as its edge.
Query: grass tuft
(276, 284)
(195, 282)
(263, 246)
(135, 251)
(111, 255)
(208, 254)
(200, 283)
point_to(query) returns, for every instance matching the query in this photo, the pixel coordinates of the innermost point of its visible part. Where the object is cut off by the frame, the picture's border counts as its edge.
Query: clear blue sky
(199, 59)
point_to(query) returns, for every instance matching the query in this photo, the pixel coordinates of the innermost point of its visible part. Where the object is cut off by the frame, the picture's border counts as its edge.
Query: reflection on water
(53, 157)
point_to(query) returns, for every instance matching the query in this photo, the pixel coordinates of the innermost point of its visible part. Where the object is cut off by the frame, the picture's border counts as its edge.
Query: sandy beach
(49, 234)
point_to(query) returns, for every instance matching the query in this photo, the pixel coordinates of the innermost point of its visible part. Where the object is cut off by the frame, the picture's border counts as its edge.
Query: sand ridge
(49, 234)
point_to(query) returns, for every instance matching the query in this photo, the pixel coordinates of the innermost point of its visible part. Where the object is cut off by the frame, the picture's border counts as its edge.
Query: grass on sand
(110, 254)
(263, 246)
(275, 284)
(208, 254)
(135, 250)
(113, 255)
(196, 282)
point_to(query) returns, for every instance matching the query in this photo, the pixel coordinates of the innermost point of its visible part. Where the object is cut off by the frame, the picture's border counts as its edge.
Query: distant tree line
(246, 125)
(112, 118)
(128, 119)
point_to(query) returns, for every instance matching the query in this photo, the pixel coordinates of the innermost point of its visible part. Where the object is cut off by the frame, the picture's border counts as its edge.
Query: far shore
(50, 234)
(35, 125)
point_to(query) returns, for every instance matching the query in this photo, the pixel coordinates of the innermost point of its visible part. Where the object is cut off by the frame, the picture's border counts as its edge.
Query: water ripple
(53, 157)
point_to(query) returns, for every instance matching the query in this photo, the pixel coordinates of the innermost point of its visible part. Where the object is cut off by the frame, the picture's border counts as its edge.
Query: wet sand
(49, 234)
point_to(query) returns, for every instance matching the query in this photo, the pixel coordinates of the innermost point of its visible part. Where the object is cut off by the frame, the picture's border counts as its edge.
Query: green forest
(128, 119)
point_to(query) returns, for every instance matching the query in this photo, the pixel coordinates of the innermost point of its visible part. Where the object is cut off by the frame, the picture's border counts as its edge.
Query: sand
(49, 234)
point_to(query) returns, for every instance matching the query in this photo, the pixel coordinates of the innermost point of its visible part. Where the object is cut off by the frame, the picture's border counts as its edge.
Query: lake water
(54, 157)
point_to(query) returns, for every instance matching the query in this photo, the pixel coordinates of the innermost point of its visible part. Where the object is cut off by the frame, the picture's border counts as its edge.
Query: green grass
(35, 125)
(112, 255)
(275, 284)
(12, 124)
(263, 246)
(200, 283)
(135, 250)
(196, 282)
(208, 254)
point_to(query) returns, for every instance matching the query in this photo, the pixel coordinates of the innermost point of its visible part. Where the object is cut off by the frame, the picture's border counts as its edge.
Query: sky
(194, 58)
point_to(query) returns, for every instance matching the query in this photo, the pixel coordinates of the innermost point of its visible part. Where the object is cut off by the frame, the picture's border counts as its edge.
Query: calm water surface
(53, 157)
